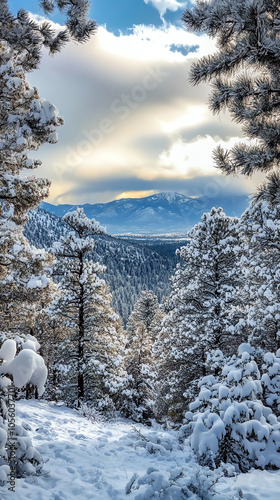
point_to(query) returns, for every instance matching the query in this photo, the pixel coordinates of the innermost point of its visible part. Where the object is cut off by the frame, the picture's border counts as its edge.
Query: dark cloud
(211, 186)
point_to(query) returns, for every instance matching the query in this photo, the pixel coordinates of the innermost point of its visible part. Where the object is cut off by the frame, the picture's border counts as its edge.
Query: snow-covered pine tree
(244, 72)
(26, 122)
(228, 422)
(260, 265)
(271, 381)
(51, 331)
(145, 310)
(92, 356)
(139, 394)
(199, 311)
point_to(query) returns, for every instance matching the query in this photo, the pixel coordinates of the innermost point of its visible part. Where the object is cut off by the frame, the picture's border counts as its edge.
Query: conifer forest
(131, 369)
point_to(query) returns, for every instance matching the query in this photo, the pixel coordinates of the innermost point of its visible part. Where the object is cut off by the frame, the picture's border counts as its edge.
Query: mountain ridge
(169, 212)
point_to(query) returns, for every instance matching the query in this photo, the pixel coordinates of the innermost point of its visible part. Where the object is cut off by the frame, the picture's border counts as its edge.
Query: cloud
(163, 5)
(109, 188)
(194, 158)
(135, 194)
(130, 113)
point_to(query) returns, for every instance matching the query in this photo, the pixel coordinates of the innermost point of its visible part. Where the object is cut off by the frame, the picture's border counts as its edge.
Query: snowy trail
(95, 461)
(84, 460)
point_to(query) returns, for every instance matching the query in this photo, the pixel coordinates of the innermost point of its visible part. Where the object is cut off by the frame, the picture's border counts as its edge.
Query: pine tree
(245, 78)
(92, 355)
(228, 423)
(145, 310)
(271, 381)
(260, 265)
(139, 393)
(200, 310)
(26, 122)
(51, 332)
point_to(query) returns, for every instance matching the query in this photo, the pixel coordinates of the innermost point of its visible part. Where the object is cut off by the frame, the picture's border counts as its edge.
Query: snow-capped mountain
(156, 214)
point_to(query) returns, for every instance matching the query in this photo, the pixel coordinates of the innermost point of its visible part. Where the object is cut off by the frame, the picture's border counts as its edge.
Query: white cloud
(138, 86)
(163, 5)
(158, 42)
(193, 159)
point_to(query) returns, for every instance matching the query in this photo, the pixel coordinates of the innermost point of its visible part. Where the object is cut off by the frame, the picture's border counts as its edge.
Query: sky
(134, 126)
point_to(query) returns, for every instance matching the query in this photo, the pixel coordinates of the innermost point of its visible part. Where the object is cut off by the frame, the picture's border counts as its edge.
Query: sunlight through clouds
(135, 194)
(133, 112)
(187, 160)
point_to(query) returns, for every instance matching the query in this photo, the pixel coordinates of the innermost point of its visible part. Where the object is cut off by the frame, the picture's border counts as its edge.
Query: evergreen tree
(271, 381)
(245, 78)
(91, 356)
(145, 310)
(51, 331)
(26, 122)
(200, 310)
(139, 393)
(260, 265)
(228, 423)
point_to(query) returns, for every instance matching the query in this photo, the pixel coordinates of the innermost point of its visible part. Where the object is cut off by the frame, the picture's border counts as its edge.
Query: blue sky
(117, 15)
(133, 124)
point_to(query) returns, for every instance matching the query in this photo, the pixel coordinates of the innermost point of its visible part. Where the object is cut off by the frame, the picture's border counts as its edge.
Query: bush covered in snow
(195, 483)
(18, 457)
(228, 422)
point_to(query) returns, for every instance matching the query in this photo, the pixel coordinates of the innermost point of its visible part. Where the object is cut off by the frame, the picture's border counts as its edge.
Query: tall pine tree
(26, 122)
(139, 393)
(199, 311)
(260, 265)
(92, 356)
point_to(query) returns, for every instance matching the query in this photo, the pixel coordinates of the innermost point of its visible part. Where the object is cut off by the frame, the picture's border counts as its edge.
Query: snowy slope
(95, 461)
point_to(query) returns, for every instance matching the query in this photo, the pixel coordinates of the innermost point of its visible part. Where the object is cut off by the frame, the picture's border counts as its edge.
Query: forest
(198, 358)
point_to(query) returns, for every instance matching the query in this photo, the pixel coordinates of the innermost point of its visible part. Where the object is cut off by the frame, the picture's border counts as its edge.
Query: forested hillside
(130, 268)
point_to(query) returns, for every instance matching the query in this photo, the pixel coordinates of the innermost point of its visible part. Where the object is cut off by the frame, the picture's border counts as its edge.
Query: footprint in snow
(71, 470)
(80, 436)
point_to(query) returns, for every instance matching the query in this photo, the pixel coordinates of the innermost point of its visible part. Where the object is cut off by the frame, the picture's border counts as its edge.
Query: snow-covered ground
(96, 461)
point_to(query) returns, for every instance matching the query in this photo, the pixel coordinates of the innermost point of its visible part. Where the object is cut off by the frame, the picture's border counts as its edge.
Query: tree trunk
(81, 335)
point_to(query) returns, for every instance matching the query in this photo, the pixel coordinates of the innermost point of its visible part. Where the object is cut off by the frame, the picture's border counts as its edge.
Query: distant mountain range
(161, 213)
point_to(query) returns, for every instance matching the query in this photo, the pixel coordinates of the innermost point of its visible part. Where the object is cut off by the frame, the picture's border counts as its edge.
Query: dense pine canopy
(244, 73)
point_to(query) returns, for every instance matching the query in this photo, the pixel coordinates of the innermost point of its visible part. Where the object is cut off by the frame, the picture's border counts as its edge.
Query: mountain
(156, 214)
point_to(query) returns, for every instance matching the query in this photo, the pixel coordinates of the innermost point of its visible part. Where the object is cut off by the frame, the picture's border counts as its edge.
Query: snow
(38, 282)
(26, 367)
(259, 485)
(8, 350)
(99, 460)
